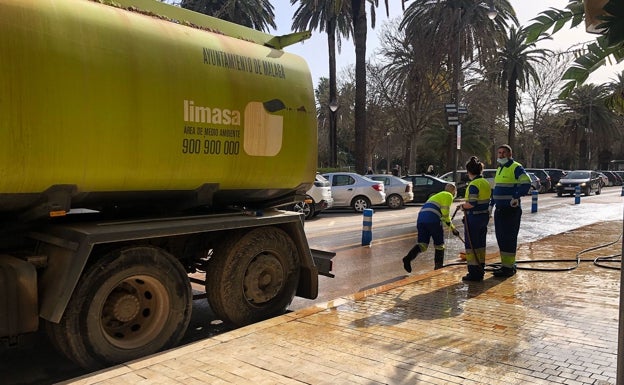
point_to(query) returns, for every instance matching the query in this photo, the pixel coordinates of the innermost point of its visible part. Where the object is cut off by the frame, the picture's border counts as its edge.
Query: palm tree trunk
(359, 40)
(333, 137)
(511, 108)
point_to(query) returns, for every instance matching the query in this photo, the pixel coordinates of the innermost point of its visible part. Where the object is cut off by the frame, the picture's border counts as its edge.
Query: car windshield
(577, 175)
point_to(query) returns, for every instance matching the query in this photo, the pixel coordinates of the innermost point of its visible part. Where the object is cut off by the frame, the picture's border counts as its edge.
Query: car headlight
(583, 184)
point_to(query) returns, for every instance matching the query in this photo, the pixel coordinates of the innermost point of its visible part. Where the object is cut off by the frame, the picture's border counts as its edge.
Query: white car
(318, 198)
(398, 191)
(354, 190)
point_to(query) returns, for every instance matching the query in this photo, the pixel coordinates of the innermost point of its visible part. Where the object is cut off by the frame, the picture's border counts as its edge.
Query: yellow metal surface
(111, 100)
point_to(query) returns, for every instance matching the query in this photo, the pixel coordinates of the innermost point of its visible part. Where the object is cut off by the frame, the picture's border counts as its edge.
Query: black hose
(598, 261)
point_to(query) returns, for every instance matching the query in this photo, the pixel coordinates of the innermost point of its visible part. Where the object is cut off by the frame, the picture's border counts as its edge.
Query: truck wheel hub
(125, 307)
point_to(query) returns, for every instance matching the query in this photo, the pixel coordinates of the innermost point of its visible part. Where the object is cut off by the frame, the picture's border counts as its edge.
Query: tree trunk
(359, 39)
(333, 137)
(511, 108)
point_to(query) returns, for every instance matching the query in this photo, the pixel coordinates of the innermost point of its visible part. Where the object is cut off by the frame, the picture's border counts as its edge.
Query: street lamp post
(333, 137)
(388, 154)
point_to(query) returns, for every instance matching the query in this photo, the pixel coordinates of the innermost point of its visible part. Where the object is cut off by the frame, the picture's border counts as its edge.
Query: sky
(314, 50)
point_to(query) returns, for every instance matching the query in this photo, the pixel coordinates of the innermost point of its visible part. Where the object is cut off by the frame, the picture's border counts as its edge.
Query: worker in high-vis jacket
(476, 219)
(510, 184)
(429, 225)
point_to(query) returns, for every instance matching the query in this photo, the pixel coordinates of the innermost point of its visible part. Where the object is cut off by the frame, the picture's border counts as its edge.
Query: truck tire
(130, 303)
(252, 276)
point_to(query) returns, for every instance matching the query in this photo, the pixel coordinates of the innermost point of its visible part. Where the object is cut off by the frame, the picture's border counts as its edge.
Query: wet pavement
(538, 327)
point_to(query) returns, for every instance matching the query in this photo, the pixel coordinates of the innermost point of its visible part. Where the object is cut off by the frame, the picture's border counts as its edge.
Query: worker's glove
(514, 202)
(455, 232)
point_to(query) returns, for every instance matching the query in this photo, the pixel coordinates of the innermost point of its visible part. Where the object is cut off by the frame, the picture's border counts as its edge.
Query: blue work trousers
(429, 230)
(507, 226)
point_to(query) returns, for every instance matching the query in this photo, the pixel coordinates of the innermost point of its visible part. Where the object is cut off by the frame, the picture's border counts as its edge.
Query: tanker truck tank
(102, 106)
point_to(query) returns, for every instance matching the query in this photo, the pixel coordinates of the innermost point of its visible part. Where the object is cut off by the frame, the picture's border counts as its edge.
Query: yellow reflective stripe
(502, 197)
(506, 184)
(508, 259)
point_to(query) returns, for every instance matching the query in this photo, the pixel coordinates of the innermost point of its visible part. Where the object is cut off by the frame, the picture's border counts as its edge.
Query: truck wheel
(130, 303)
(360, 203)
(252, 276)
(394, 201)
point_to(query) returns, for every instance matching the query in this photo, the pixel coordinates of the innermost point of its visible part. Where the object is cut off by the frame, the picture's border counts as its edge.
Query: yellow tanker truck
(141, 143)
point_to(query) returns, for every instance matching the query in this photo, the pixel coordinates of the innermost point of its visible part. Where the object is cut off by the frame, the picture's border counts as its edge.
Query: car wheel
(394, 201)
(360, 203)
(559, 194)
(305, 208)
(587, 191)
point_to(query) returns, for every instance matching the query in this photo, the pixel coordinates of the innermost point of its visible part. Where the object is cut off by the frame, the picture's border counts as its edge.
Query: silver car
(318, 198)
(398, 191)
(354, 190)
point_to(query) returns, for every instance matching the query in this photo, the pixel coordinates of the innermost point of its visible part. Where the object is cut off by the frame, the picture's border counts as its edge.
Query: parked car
(318, 198)
(588, 181)
(398, 191)
(620, 174)
(461, 184)
(354, 190)
(613, 179)
(604, 180)
(425, 186)
(536, 184)
(544, 178)
(555, 175)
(487, 173)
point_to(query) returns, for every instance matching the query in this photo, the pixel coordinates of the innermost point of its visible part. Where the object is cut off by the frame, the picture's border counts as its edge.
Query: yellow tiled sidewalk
(534, 328)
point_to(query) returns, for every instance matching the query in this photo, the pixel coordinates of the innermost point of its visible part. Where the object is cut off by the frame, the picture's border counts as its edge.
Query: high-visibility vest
(437, 208)
(511, 182)
(480, 200)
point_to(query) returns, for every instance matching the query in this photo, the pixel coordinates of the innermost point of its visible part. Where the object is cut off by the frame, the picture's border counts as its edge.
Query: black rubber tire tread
(228, 267)
(361, 198)
(80, 334)
(391, 198)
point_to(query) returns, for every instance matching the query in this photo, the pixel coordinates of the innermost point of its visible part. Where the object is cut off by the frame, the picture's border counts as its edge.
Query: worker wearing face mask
(510, 183)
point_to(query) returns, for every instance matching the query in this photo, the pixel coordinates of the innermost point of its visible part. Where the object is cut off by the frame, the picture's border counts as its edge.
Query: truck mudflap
(323, 261)
(18, 298)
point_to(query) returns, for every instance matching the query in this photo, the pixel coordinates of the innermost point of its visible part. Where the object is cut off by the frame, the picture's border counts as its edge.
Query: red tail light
(378, 187)
(408, 188)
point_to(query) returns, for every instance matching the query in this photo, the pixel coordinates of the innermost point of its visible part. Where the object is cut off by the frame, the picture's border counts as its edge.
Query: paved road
(35, 362)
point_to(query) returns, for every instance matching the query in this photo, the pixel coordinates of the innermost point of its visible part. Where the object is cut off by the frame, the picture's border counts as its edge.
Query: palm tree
(463, 31)
(333, 17)
(360, 26)
(514, 69)
(592, 124)
(608, 45)
(256, 14)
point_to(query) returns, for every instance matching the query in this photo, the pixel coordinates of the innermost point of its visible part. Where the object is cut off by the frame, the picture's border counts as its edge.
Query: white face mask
(502, 161)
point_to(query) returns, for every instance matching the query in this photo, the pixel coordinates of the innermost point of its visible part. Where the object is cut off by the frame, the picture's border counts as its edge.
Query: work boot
(407, 260)
(505, 272)
(438, 259)
(475, 274)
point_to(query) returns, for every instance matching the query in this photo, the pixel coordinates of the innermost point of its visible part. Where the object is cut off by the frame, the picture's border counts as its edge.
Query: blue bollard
(534, 201)
(622, 191)
(367, 227)
(577, 195)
